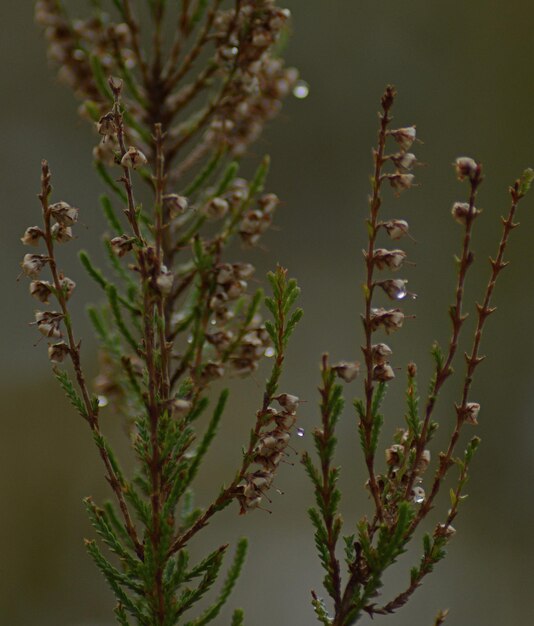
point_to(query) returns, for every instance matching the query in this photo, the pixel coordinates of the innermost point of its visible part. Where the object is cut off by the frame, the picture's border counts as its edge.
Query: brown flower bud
(31, 236)
(63, 213)
(347, 371)
(133, 158)
(58, 351)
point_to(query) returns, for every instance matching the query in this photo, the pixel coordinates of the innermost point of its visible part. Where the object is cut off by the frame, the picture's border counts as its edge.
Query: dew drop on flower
(301, 90)
(190, 339)
(213, 322)
(300, 432)
(102, 401)
(401, 294)
(418, 495)
(269, 352)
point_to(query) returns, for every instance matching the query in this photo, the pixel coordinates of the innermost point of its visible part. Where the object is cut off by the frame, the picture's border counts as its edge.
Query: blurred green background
(464, 75)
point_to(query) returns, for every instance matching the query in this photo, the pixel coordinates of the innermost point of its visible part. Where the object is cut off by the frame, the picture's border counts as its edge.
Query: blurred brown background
(464, 73)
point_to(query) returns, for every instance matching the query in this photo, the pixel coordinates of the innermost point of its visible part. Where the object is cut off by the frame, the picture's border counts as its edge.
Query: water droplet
(269, 352)
(301, 90)
(401, 294)
(190, 339)
(213, 322)
(300, 432)
(102, 401)
(418, 495)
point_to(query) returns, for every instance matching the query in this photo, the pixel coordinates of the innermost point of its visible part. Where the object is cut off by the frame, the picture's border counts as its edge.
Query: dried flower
(60, 233)
(106, 125)
(180, 407)
(48, 323)
(444, 530)
(215, 208)
(395, 288)
(391, 319)
(380, 353)
(396, 229)
(67, 286)
(400, 182)
(347, 371)
(164, 281)
(63, 213)
(390, 259)
(32, 264)
(58, 351)
(462, 211)
(288, 402)
(404, 136)
(394, 454)
(404, 161)
(31, 236)
(466, 167)
(471, 412)
(383, 372)
(133, 158)
(122, 244)
(175, 205)
(41, 289)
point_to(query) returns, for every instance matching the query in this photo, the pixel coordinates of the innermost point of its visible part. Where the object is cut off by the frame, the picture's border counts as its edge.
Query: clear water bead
(269, 352)
(102, 401)
(300, 432)
(301, 90)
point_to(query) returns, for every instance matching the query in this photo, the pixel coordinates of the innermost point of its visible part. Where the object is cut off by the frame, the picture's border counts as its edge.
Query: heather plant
(177, 94)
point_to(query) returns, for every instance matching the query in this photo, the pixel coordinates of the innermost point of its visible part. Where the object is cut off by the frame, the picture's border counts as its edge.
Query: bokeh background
(464, 74)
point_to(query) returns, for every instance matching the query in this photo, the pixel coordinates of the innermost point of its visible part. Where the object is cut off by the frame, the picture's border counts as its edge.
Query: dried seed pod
(404, 161)
(400, 182)
(216, 208)
(288, 402)
(164, 281)
(471, 412)
(395, 288)
(106, 125)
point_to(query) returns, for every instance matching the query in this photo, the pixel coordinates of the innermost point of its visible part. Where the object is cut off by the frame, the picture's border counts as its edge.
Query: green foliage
(71, 393)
